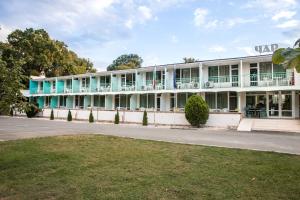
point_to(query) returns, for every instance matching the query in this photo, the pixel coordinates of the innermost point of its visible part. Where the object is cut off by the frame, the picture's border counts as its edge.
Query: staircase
(282, 125)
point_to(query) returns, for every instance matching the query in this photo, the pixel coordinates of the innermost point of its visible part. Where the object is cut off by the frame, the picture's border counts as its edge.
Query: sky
(160, 31)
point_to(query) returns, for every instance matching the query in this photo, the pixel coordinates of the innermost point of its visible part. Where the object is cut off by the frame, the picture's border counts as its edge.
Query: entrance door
(158, 102)
(274, 104)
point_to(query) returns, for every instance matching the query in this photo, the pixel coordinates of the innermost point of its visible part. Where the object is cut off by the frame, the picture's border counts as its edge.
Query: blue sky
(160, 31)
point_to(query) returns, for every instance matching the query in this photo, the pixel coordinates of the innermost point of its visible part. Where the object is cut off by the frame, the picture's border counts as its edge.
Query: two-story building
(252, 86)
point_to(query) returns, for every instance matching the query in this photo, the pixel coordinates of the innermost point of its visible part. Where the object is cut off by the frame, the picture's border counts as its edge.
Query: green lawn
(101, 167)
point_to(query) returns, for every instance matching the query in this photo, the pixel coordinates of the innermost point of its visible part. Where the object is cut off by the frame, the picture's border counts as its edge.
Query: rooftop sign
(266, 48)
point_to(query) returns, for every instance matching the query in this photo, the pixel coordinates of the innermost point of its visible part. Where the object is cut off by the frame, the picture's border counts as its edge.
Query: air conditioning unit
(209, 84)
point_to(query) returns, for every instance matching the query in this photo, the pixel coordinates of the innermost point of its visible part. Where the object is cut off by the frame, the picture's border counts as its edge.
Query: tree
(69, 116)
(196, 111)
(31, 109)
(41, 53)
(189, 60)
(10, 85)
(52, 115)
(91, 117)
(288, 57)
(126, 61)
(117, 117)
(145, 119)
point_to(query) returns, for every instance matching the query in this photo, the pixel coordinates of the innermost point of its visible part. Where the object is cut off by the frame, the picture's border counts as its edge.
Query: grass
(102, 167)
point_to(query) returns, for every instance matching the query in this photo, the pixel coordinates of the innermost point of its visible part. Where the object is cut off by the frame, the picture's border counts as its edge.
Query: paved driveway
(19, 128)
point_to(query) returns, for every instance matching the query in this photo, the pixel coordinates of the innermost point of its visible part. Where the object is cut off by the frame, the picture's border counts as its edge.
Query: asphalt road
(21, 128)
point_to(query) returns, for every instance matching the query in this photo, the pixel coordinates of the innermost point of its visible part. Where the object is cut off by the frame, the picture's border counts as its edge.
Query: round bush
(196, 111)
(31, 110)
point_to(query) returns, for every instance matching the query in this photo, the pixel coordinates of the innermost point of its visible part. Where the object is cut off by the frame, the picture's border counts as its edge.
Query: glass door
(253, 74)
(274, 104)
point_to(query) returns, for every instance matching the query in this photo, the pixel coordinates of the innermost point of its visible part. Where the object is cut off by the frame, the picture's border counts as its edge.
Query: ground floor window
(79, 101)
(182, 99)
(62, 101)
(147, 101)
(217, 100)
(99, 101)
(286, 104)
(47, 101)
(122, 101)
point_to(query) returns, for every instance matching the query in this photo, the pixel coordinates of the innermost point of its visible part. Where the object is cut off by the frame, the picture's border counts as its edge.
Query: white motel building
(234, 88)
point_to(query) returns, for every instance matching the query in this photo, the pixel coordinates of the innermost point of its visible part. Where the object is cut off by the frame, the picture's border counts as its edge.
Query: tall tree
(189, 60)
(126, 61)
(11, 76)
(41, 53)
(288, 57)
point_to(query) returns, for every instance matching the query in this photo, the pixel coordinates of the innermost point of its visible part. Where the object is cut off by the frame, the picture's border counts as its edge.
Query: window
(151, 101)
(181, 100)
(224, 73)
(62, 101)
(195, 74)
(143, 100)
(286, 104)
(222, 100)
(265, 70)
(210, 99)
(213, 73)
(69, 84)
(233, 101)
(53, 85)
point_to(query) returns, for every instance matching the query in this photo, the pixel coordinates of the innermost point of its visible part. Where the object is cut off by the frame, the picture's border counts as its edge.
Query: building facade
(252, 86)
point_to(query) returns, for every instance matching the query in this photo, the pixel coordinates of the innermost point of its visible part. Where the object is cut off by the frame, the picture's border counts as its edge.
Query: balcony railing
(187, 83)
(269, 79)
(222, 82)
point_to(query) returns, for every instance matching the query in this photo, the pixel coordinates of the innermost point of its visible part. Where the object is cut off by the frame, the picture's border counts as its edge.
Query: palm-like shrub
(52, 115)
(91, 117)
(117, 118)
(196, 111)
(69, 116)
(145, 119)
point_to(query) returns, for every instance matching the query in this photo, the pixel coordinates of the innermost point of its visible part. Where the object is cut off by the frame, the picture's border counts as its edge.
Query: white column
(92, 101)
(241, 73)
(56, 85)
(90, 84)
(136, 80)
(165, 81)
(72, 81)
(111, 80)
(155, 101)
(200, 75)
(267, 102)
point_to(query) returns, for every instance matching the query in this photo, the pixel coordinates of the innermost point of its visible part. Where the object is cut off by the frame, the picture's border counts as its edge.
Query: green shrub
(117, 117)
(31, 109)
(91, 117)
(196, 111)
(145, 119)
(52, 115)
(69, 116)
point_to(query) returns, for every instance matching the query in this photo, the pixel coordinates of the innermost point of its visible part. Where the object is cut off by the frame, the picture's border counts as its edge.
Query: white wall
(161, 118)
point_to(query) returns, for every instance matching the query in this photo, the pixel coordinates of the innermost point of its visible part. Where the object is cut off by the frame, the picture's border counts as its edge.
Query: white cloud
(236, 21)
(270, 5)
(286, 14)
(213, 24)
(174, 39)
(248, 50)
(289, 24)
(217, 49)
(200, 16)
(4, 32)
(145, 13)
(129, 23)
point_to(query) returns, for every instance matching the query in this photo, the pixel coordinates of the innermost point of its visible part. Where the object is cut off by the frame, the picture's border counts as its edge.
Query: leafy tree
(91, 117)
(52, 115)
(289, 57)
(196, 111)
(117, 117)
(126, 61)
(189, 60)
(69, 116)
(41, 53)
(145, 119)
(10, 85)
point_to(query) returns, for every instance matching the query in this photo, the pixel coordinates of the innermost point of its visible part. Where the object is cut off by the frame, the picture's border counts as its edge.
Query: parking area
(21, 128)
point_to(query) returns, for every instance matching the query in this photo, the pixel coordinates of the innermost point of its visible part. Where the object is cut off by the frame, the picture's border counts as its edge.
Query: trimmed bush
(69, 116)
(52, 115)
(91, 117)
(117, 117)
(31, 110)
(145, 119)
(196, 111)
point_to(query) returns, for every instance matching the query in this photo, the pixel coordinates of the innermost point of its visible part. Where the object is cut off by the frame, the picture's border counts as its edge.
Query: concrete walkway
(20, 128)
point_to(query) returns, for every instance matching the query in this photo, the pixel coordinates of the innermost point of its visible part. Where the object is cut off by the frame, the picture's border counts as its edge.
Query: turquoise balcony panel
(60, 86)
(115, 86)
(53, 102)
(94, 85)
(47, 87)
(69, 102)
(33, 87)
(87, 101)
(75, 85)
(40, 101)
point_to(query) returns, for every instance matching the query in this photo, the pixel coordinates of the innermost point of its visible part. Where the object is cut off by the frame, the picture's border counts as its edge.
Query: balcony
(187, 83)
(269, 80)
